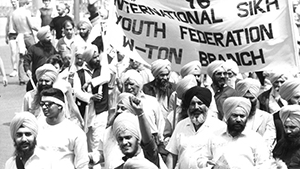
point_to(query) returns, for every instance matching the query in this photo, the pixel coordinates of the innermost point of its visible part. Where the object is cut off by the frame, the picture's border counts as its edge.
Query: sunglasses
(48, 104)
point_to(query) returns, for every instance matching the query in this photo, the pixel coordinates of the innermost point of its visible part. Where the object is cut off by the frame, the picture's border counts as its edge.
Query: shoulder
(11, 163)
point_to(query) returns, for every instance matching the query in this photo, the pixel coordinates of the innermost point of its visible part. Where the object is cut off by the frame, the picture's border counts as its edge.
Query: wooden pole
(76, 11)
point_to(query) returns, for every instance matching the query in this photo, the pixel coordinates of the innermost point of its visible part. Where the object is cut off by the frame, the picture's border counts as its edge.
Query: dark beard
(94, 65)
(235, 128)
(47, 46)
(27, 153)
(162, 87)
(294, 140)
(219, 85)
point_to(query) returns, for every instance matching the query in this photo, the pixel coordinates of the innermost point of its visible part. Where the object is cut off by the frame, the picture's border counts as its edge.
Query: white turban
(185, 84)
(213, 66)
(24, 119)
(124, 98)
(193, 67)
(159, 65)
(248, 84)
(47, 70)
(289, 88)
(85, 22)
(126, 122)
(290, 112)
(89, 52)
(43, 32)
(232, 65)
(274, 75)
(133, 75)
(233, 103)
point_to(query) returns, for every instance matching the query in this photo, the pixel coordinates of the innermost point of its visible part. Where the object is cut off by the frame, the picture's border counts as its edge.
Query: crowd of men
(86, 108)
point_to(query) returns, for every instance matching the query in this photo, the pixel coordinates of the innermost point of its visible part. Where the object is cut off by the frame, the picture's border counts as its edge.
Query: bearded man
(287, 149)
(38, 54)
(161, 87)
(236, 147)
(46, 76)
(24, 130)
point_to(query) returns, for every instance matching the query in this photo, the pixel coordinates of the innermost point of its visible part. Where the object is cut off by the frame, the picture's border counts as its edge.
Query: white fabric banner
(257, 34)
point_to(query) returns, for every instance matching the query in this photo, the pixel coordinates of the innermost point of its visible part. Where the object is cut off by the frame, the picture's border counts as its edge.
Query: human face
(130, 86)
(164, 76)
(45, 82)
(46, 3)
(79, 60)
(253, 101)
(95, 61)
(60, 9)
(51, 110)
(121, 108)
(220, 77)
(14, 3)
(278, 83)
(295, 99)
(84, 31)
(237, 121)
(292, 131)
(128, 144)
(197, 111)
(134, 64)
(69, 30)
(24, 140)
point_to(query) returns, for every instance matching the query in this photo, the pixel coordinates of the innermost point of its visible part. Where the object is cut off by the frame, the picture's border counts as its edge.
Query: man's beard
(236, 128)
(93, 64)
(162, 86)
(219, 84)
(293, 139)
(24, 153)
(47, 46)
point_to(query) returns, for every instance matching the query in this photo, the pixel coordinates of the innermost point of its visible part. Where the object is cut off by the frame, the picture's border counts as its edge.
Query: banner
(256, 34)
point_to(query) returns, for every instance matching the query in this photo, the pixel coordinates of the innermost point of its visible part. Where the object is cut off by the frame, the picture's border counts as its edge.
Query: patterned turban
(133, 75)
(47, 70)
(248, 84)
(201, 93)
(127, 122)
(89, 52)
(43, 32)
(193, 67)
(124, 98)
(290, 112)
(289, 88)
(233, 103)
(24, 119)
(232, 65)
(159, 65)
(185, 84)
(85, 22)
(213, 66)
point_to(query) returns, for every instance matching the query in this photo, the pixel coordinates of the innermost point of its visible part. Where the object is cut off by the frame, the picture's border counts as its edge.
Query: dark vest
(46, 16)
(100, 106)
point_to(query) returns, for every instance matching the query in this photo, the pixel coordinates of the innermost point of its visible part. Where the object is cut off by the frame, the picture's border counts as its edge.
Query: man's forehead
(45, 77)
(238, 111)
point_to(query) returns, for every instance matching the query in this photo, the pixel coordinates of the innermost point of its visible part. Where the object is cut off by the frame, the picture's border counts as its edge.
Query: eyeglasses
(221, 73)
(46, 103)
(197, 75)
(123, 108)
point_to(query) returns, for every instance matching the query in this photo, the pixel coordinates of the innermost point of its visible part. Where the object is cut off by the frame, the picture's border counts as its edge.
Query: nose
(23, 138)
(288, 131)
(238, 119)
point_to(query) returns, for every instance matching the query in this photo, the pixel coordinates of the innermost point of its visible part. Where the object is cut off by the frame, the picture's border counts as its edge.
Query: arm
(81, 159)
(73, 107)
(171, 161)
(83, 96)
(7, 28)
(27, 61)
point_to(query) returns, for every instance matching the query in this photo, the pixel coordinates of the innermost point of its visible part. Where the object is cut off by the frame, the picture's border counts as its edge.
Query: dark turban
(201, 93)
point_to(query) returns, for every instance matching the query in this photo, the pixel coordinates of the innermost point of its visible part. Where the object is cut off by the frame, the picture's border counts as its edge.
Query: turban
(291, 112)
(185, 84)
(124, 98)
(201, 93)
(127, 122)
(248, 84)
(54, 95)
(232, 65)
(24, 119)
(89, 52)
(47, 70)
(133, 75)
(43, 33)
(85, 22)
(139, 163)
(275, 75)
(233, 103)
(289, 88)
(213, 66)
(159, 65)
(193, 67)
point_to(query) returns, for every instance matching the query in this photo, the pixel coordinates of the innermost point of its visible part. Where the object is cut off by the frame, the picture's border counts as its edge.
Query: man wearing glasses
(60, 139)
(217, 72)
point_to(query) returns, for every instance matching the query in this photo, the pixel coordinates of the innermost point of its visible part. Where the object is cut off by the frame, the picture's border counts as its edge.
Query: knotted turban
(291, 112)
(160, 65)
(193, 67)
(213, 66)
(233, 103)
(248, 84)
(289, 88)
(24, 119)
(47, 70)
